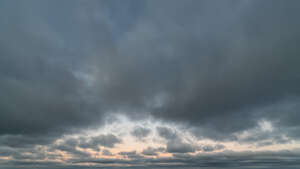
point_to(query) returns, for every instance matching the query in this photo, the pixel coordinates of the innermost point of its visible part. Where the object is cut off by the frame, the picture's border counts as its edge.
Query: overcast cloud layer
(227, 71)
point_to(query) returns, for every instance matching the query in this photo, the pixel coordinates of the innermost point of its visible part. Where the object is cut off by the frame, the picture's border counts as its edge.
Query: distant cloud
(166, 133)
(130, 154)
(175, 143)
(178, 146)
(106, 152)
(210, 148)
(94, 142)
(150, 151)
(71, 145)
(140, 132)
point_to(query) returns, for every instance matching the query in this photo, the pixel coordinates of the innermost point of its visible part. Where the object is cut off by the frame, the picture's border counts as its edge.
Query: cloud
(130, 154)
(140, 132)
(177, 146)
(39, 59)
(19, 141)
(108, 140)
(226, 159)
(150, 151)
(216, 68)
(36, 153)
(166, 133)
(175, 143)
(70, 146)
(74, 146)
(106, 152)
(197, 67)
(207, 69)
(210, 148)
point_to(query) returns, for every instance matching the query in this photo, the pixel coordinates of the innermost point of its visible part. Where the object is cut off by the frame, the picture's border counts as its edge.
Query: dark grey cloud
(26, 153)
(226, 159)
(178, 146)
(245, 159)
(106, 152)
(108, 140)
(39, 59)
(95, 143)
(19, 141)
(175, 143)
(151, 151)
(140, 132)
(182, 62)
(186, 62)
(216, 67)
(210, 148)
(70, 146)
(43, 60)
(167, 133)
(207, 148)
(130, 154)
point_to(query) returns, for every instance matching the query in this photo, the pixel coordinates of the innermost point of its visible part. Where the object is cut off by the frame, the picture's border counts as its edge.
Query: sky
(149, 84)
